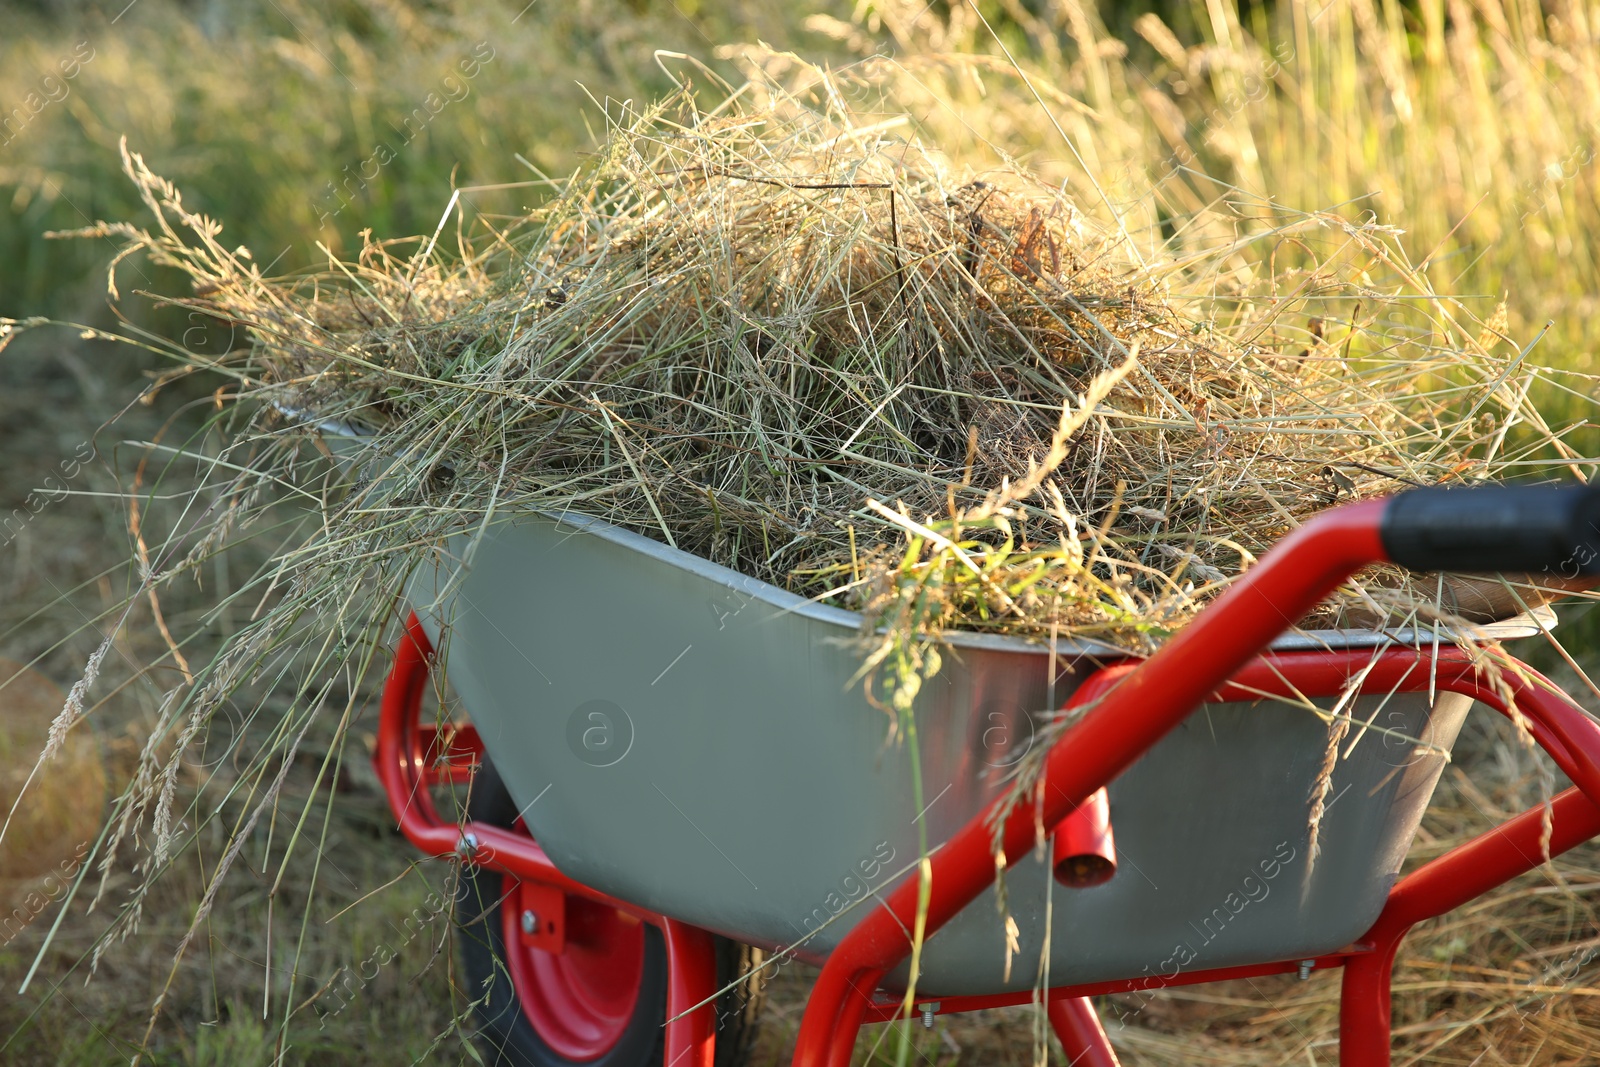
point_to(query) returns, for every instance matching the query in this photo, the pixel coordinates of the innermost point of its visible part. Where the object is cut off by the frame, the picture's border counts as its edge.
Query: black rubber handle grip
(1496, 528)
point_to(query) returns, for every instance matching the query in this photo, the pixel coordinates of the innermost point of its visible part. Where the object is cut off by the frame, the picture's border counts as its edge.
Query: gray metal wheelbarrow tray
(688, 739)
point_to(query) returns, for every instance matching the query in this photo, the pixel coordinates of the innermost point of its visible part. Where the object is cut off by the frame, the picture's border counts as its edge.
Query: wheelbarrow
(666, 761)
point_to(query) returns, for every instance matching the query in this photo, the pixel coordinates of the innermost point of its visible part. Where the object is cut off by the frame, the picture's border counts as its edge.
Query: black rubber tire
(504, 1034)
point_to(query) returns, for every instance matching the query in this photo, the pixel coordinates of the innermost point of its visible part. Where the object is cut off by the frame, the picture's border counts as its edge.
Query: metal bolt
(467, 845)
(530, 922)
(1305, 969)
(927, 1014)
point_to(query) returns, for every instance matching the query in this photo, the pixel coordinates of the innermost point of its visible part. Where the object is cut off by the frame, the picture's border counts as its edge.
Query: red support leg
(691, 980)
(1364, 1006)
(1082, 1038)
(849, 1025)
(1488, 860)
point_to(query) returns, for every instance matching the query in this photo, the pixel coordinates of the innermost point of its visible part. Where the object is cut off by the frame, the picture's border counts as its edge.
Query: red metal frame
(1134, 706)
(1082, 1038)
(1217, 657)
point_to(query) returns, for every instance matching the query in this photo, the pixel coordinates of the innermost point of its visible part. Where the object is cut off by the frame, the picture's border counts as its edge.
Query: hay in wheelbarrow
(798, 342)
(794, 340)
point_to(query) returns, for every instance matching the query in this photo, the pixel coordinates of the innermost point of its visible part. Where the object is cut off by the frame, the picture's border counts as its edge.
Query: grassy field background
(1473, 127)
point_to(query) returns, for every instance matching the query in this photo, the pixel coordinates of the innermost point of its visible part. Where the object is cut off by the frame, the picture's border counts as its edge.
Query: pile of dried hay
(778, 337)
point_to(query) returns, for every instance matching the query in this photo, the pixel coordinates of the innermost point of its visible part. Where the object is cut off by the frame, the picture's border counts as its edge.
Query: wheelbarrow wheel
(602, 1002)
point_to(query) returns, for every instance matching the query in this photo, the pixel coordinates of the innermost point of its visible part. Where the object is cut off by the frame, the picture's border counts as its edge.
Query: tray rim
(1528, 624)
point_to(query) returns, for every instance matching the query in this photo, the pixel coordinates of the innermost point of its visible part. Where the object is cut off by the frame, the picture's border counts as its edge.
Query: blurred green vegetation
(273, 117)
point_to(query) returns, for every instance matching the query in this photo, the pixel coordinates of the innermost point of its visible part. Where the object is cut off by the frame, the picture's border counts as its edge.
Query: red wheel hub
(580, 1001)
